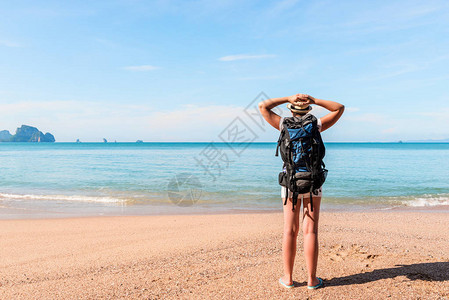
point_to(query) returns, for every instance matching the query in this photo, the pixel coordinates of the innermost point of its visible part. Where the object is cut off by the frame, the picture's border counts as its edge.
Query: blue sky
(183, 70)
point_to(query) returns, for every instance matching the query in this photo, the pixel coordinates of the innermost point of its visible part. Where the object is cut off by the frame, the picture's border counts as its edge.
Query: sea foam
(73, 198)
(427, 200)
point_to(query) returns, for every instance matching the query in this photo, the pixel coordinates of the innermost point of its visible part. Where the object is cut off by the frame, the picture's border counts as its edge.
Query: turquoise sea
(69, 179)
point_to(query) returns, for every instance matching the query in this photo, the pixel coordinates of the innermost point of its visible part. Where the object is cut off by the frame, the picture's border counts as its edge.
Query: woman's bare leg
(290, 235)
(310, 231)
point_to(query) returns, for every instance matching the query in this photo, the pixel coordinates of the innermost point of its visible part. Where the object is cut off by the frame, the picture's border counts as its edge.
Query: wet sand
(372, 255)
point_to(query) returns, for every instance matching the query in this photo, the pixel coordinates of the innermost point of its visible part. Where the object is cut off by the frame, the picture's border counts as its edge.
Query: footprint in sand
(340, 253)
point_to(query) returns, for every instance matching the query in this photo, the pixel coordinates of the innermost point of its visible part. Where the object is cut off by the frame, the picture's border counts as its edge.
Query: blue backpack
(302, 151)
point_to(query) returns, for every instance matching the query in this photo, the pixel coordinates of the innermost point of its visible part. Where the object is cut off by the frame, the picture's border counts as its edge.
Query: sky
(185, 70)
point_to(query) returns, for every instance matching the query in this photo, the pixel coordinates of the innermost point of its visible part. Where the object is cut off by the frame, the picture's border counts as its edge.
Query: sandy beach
(373, 255)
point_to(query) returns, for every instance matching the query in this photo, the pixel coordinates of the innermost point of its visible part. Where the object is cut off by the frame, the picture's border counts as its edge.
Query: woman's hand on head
(293, 99)
(298, 99)
(301, 99)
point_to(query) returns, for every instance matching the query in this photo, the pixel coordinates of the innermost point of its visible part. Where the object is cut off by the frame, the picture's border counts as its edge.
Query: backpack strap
(311, 198)
(313, 176)
(281, 136)
(294, 199)
(314, 160)
(286, 194)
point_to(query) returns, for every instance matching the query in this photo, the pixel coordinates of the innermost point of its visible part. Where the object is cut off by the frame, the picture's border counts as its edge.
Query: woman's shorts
(305, 195)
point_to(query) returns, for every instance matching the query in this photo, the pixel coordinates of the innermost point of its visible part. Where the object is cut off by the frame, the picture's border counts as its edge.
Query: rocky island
(26, 133)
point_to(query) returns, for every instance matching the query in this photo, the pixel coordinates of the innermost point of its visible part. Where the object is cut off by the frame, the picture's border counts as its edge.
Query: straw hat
(299, 109)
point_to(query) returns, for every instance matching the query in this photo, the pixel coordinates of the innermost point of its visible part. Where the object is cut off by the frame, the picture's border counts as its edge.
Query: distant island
(27, 134)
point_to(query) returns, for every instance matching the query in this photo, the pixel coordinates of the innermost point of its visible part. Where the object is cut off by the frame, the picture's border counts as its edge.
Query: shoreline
(10, 213)
(362, 255)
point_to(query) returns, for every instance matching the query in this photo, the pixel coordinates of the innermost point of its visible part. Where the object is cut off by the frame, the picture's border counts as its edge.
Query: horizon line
(204, 142)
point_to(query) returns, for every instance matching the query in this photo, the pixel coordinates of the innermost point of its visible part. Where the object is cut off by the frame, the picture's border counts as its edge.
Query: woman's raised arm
(336, 110)
(271, 117)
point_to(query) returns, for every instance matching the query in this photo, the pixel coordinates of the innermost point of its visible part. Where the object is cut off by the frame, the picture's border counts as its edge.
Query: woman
(299, 105)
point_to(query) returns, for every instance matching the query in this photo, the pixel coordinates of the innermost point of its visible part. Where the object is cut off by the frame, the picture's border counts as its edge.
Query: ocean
(87, 179)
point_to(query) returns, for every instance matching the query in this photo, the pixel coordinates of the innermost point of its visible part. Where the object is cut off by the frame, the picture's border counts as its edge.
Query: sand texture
(373, 255)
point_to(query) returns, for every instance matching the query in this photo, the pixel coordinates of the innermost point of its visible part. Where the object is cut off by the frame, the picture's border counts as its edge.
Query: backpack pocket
(320, 179)
(303, 175)
(283, 178)
(303, 186)
(303, 182)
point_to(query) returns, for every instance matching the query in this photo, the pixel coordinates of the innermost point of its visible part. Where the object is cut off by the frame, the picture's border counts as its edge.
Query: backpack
(302, 151)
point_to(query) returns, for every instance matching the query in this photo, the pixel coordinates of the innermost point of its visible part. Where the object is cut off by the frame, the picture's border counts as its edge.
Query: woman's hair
(295, 114)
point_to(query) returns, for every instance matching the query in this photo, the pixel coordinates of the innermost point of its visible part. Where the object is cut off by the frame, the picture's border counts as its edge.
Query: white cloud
(371, 117)
(142, 68)
(390, 130)
(245, 56)
(391, 126)
(69, 120)
(91, 121)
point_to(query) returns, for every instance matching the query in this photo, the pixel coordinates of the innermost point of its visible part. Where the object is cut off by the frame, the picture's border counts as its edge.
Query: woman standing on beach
(299, 105)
